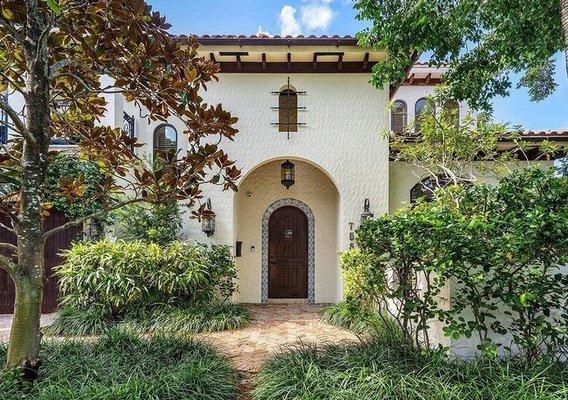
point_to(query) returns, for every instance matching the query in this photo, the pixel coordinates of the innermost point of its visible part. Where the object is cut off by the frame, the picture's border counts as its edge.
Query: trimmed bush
(118, 277)
(122, 366)
(390, 370)
(178, 287)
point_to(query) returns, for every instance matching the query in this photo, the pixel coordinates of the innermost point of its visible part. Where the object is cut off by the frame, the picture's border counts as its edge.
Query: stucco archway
(260, 193)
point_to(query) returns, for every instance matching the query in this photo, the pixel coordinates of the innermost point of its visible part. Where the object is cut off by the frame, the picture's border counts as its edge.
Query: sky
(337, 17)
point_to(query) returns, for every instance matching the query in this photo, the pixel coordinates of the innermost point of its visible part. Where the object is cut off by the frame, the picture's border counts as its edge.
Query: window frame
(396, 114)
(155, 148)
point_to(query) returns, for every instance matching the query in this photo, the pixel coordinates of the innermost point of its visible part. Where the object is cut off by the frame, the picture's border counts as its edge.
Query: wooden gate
(53, 246)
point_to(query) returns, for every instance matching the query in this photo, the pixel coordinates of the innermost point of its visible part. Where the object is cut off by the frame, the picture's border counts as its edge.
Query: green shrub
(390, 370)
(499, 248)
(121, 276)
(176, 287)
(163, 319)
(122, 366)
(156, 223)
(350, 315)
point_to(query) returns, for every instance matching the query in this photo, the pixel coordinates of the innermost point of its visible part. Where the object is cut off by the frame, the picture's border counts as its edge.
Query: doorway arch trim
(311, 246)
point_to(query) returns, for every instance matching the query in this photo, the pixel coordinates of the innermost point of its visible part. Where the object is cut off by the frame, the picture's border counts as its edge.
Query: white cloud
(314, 15)
(317, 15)
(261, 32)
(289, 25)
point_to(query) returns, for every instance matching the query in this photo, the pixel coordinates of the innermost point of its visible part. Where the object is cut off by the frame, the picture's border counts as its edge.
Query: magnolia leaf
(7, 13)
(54, 5)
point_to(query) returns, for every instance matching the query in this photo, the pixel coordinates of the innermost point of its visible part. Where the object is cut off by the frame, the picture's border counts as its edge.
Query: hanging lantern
(367, 214)
(208, 220)
(287, 173)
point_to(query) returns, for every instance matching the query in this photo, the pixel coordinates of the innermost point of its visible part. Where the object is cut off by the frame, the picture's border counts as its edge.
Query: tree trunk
(25, 336)
(564, 19)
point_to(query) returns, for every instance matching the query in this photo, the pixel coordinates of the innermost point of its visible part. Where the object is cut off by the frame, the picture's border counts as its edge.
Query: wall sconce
(366, 213)
(208, 219)
(287, 174)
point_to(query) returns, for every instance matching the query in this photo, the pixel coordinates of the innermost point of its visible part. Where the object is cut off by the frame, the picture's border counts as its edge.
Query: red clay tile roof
(276, 40)
(548, 134)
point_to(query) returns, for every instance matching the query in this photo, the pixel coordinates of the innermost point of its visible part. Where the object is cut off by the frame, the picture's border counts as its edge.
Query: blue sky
(331, 17)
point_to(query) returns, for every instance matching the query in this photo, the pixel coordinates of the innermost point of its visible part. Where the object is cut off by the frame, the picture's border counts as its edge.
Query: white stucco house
(306, 100)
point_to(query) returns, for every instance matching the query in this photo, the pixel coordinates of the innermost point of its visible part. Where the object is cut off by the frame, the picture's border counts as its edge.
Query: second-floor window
(421, 109)
(399, 115)
(288, 111)
(165, 141)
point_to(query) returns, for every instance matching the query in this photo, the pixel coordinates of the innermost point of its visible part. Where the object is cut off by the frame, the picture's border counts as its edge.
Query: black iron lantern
(208, 220)
(287, 173)
(367, 214)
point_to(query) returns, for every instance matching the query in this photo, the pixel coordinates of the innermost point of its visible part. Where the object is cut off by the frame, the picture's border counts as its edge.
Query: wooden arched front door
(288, 254)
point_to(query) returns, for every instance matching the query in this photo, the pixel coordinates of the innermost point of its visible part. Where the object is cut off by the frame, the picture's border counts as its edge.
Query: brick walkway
(274, 327)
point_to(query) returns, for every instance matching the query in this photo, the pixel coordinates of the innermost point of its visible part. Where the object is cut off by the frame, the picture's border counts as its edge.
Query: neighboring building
(309, 101)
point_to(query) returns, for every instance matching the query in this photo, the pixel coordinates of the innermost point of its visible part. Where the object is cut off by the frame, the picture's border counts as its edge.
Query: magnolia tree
(56, 53)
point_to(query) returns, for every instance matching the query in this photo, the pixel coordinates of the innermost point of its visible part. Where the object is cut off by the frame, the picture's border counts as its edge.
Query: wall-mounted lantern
(366, 213)
(287, 173)
(208, 220)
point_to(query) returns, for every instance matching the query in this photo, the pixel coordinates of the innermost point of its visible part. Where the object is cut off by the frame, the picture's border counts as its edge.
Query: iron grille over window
(288, 109)
(165, 141)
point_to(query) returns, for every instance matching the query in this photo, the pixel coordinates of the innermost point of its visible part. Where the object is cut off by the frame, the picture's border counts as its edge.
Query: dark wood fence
(53, 246)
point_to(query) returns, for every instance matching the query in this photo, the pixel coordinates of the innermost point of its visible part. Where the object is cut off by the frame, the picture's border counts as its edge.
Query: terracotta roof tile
(264, 39)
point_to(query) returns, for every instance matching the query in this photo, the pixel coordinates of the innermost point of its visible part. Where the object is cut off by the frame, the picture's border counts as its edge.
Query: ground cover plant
(120, 365)
(387, 369)
(176, 287)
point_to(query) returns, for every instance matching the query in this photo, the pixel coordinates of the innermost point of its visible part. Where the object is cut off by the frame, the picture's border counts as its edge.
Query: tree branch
(97, 214)
(22, 130)
(8, 265)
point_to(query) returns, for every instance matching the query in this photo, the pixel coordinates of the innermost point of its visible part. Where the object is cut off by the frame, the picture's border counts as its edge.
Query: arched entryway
(288, 251)
(260, 194)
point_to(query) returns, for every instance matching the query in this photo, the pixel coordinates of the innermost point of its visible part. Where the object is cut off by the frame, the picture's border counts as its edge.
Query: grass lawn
(385, 370)
(121, 366)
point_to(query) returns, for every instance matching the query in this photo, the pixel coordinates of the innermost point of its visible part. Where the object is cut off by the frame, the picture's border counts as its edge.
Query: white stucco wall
(344, 116)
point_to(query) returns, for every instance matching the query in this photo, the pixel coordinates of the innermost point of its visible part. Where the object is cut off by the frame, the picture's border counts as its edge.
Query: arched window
(452, 112)
(422, 107)
(288, 111)
(165, 141)
(426, 187)
(399, 117)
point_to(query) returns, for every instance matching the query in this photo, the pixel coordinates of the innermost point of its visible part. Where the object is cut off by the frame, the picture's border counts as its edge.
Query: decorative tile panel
(311, 246)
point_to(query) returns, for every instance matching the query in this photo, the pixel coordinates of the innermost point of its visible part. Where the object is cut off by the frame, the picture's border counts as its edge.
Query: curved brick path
(273, 327)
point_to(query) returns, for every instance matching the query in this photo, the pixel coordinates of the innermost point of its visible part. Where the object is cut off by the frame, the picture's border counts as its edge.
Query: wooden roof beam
(411, 78)
(212, 57)
(340, 62)
(264, 61)
(366, 61)
(428, 77)
(289, 61)
(315, 62)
